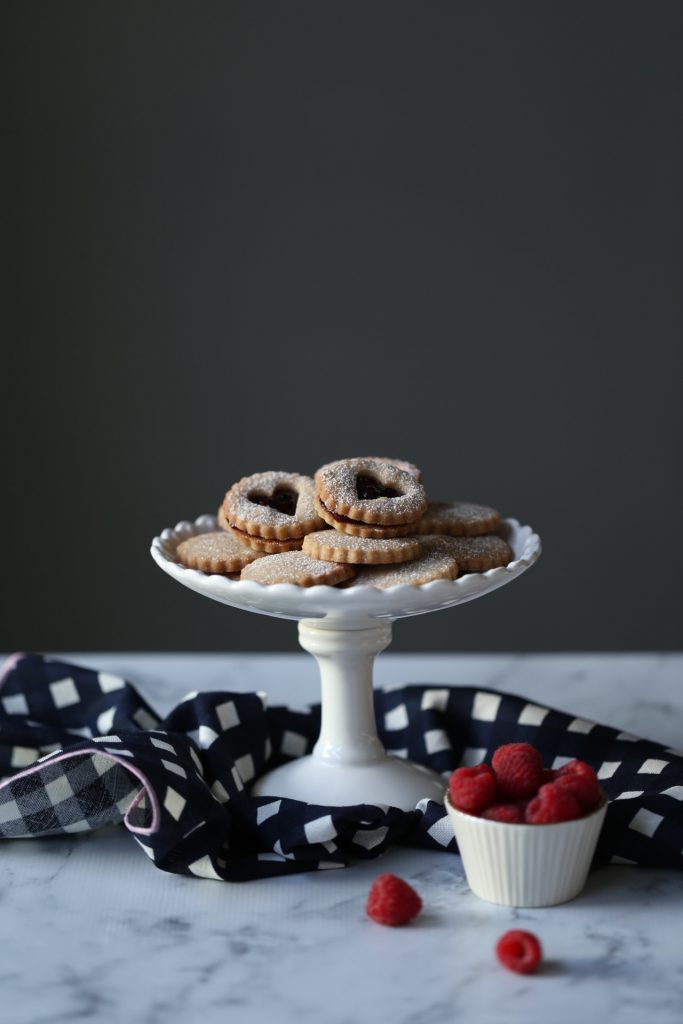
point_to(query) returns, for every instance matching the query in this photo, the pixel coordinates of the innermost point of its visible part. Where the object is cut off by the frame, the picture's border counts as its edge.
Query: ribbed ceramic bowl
(526, 865)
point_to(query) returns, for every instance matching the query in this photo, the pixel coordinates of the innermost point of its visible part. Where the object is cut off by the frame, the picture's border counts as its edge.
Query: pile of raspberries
(517, 789)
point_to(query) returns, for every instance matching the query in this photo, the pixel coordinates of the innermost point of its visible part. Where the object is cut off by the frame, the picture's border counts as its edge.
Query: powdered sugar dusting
(215, 552)
(408, 467)
(334, 538)
(298, 568)
(473, 554)
(433, 565)
(345, 547)
(458, 518)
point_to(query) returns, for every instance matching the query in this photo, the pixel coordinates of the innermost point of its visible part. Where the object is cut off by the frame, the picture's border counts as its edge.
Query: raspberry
(551, 805)
(472, 789)
(548, 775)
(579, 779)
(511, 813)
(518, 769)
(519, 951)
(392, 901)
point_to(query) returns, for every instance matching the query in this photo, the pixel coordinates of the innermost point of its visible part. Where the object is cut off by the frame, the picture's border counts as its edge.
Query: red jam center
(368, 488)
(283, 499)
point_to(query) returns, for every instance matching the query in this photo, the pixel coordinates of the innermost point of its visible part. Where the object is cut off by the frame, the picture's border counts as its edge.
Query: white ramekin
(526, 865)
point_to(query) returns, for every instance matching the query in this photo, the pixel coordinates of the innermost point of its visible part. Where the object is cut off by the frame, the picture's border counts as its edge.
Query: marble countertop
(93, 931)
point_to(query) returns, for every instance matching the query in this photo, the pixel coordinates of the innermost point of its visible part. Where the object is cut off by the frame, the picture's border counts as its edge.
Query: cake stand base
(391, 781)
(349, 765)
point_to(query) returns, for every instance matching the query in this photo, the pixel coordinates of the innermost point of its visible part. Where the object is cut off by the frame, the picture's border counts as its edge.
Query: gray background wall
(248, 235)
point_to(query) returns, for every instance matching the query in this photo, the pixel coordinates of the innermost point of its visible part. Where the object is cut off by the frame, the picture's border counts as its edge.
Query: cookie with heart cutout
(272, 511)
(369, 497)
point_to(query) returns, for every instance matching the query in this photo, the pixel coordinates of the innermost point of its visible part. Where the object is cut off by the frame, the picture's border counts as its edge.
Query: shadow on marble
(610, 884)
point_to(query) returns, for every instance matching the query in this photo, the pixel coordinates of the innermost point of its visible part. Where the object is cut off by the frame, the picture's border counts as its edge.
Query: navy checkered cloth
(81, 749)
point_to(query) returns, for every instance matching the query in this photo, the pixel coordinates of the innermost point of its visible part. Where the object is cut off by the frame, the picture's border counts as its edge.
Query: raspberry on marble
(519, 951)
(392, 901)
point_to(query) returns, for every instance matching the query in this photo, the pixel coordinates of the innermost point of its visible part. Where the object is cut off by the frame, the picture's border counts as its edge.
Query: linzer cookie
(473, 554)
(334, 546)
(458, 518)
(369, 497)
(215, 552)
(433, 565)
(298, 568)
(272, 511)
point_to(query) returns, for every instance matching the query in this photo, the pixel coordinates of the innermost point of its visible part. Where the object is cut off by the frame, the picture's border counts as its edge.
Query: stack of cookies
(357, 522)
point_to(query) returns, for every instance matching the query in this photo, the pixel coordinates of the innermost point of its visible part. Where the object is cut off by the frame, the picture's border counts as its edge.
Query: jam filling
(339, 518)
(283, 499)
(368, 488)
(243, 533)
(357, 522)
(255, 536)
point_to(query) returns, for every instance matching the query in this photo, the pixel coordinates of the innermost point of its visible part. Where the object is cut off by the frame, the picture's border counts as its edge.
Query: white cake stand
(345, 630)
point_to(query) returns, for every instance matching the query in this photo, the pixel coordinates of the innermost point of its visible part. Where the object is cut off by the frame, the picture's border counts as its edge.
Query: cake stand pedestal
(345, 630)
(349, 765)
